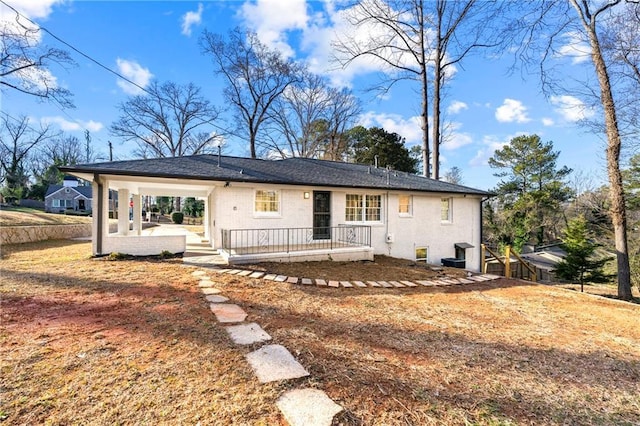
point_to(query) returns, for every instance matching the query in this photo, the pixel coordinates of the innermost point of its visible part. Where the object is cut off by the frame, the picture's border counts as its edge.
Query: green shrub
(177, 217)
(117, 256)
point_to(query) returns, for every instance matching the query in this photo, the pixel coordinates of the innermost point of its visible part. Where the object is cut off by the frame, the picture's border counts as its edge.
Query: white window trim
(261, 214)
(449, 220)
(364, 220)
(426, 249)
(410, 212)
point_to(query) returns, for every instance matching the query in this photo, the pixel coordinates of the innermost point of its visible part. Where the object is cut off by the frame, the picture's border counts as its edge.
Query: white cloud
(134, 72)
(456, 139)
(490, 144)
(72, 126)
(456, 107)
(547, 121)
(407, 128)
(576, 47)
(571, 108)
(271, 19)
(33, 9)
(190, 19)
(511, 111)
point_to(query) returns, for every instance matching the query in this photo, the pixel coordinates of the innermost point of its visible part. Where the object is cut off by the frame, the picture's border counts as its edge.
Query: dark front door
(321, 215)
(81, 205)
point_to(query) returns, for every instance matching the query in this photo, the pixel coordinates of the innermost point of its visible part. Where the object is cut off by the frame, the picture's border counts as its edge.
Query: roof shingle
(290, 171)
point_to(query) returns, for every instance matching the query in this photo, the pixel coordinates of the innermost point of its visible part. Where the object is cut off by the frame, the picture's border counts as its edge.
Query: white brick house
(293, 209)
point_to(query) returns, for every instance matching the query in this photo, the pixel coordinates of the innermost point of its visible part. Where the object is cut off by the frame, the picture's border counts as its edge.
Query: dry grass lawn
(18, 216)
(92, 341)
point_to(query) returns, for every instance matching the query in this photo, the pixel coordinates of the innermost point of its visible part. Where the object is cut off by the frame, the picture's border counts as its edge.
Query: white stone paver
(274, 362)
(257, 275)
(209, 290)
(205, 283)
(346, 284)
(216, 298)
(247, 334)
(198, 273)
(228, 312)
(307, 281)
(307, 407)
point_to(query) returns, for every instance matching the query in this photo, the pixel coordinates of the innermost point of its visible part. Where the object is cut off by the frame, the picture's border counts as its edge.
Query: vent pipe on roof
(219, 149)
(375, 161)
(368, 170)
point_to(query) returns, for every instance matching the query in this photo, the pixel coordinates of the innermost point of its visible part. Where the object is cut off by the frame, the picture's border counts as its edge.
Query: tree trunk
(424, 89)
(437, 84)
(435, 152)
(616, 191)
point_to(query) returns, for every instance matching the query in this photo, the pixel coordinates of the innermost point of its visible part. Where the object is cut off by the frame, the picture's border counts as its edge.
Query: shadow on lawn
(8, 250)
(180, 312)
(159, 310)
(557, 367)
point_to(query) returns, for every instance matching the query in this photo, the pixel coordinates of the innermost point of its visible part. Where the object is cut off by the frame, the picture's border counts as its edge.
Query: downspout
(386, 224)
(99, 218)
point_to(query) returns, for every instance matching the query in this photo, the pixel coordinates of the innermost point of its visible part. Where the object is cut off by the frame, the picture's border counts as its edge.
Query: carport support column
(100, 209)
(206, 220)
(137, 214)
(123, 211)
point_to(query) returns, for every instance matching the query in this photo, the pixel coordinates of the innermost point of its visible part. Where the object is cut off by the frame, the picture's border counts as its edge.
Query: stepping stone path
(228, 312)
(273, 363)
(247, 334)
(308, 407)
(270, 363)
(302, 407)
(216, 298)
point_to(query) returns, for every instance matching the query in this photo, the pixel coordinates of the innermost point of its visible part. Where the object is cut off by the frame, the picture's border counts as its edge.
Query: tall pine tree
(531, 191)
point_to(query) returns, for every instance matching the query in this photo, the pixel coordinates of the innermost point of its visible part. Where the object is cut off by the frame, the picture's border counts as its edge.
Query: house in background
(68, 196)
(292, 209)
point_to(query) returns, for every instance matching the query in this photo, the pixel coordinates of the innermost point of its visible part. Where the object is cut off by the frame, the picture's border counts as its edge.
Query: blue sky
(146, 40)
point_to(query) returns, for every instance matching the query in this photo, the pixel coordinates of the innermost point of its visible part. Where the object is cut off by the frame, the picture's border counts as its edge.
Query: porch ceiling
(161, 186)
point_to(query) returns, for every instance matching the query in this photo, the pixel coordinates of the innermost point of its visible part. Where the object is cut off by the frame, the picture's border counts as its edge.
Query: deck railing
(279, 240)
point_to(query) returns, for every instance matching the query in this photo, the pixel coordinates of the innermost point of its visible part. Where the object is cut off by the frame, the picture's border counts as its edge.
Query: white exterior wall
(144, 245)
(233, 208)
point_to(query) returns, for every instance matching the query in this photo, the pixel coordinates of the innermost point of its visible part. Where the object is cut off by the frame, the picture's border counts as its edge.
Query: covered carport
(128, 237)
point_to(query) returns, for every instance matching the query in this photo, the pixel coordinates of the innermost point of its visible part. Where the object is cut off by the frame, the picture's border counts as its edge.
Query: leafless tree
(17, 141)
(25, 63)
(552, 27)
(169, 120)
(620, 42)
(454, 175)
(256, 77)
(410, 36)
(310, 117)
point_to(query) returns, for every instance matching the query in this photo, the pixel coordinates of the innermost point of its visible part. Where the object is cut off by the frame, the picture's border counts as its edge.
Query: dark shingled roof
(84, 190)
(290, 171)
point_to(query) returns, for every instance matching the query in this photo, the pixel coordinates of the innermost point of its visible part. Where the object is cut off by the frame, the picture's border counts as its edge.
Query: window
(370, 205)
(353, 211)
(404, 205)
(421, 254)
(267, 202)
(445, 209)
(61, 203)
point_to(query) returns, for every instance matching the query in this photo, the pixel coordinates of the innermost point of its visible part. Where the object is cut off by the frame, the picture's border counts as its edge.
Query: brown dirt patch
(130, 342)
(382, 268)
